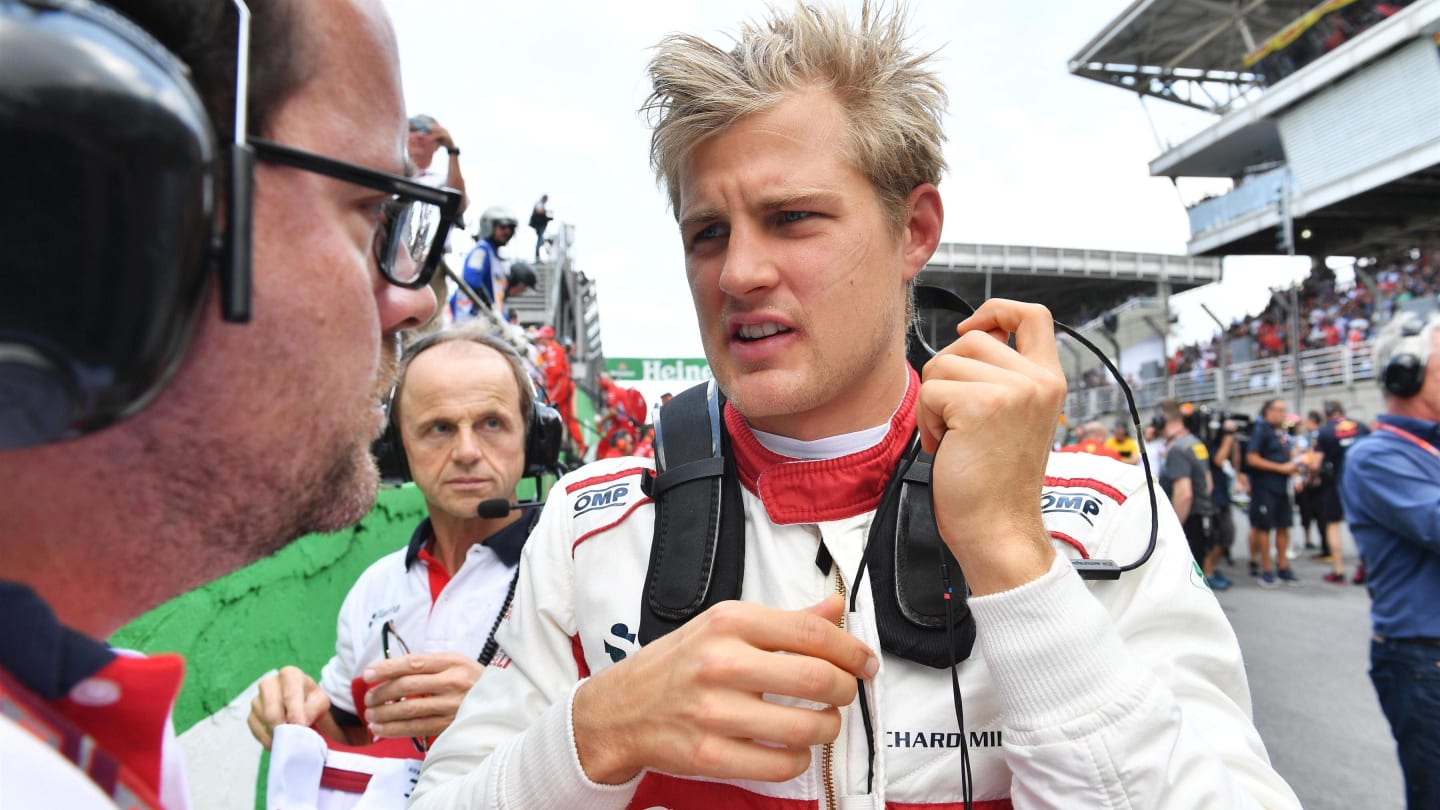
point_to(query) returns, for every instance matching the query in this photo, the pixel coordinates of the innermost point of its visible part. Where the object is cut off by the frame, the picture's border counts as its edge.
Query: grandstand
(1116, 298)
(1327, 123)
(1328, 114)
(1074, 283)
(563, 298)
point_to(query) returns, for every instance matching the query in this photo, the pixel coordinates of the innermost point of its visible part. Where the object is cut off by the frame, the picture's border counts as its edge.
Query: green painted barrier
(279, 611)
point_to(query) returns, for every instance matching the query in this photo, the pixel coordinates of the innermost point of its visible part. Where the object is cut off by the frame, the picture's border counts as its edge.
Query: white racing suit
(1106, 694)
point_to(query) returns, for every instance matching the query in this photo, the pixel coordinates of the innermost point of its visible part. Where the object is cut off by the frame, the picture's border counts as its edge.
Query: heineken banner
(657, 369)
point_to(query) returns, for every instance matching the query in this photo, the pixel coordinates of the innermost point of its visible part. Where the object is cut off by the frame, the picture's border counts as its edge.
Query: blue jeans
(1407, 679)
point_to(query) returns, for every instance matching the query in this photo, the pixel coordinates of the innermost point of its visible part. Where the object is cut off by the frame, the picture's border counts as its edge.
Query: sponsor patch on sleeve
(602, 497)
(1071, 510)
(601, 501)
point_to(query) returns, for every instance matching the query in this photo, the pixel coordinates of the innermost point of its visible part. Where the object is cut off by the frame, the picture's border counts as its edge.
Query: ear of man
(924, 220)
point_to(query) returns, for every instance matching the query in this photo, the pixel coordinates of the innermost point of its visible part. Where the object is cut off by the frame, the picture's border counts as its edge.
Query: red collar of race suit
(801, 491)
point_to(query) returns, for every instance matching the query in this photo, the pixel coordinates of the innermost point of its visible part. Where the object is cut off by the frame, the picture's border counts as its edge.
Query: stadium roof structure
(1191, 52)
(1076, 284)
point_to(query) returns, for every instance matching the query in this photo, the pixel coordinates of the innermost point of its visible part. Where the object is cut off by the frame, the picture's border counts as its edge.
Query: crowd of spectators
(1330, 314)
(1316, 33)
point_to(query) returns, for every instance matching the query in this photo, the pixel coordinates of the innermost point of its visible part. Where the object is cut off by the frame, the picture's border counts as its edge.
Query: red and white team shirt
(432, 611)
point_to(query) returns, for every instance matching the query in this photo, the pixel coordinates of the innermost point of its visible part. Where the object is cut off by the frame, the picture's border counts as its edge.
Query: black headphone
(109, 135)
(1404, 373)
(544, 434)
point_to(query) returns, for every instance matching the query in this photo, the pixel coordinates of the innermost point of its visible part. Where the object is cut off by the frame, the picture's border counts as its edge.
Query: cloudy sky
(543, 98)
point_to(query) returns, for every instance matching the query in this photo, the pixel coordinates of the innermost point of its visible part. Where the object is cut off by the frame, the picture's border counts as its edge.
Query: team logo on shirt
(592, 500)
(1085, 506)
(379, 616)
(941, 739)
(620, 642)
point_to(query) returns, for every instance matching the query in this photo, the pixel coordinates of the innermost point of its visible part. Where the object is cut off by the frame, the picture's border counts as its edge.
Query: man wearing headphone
(1391, 494)
(149, 392)
(415, 626)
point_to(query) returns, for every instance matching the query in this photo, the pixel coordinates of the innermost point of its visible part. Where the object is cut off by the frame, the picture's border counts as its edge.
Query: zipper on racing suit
(827, 755)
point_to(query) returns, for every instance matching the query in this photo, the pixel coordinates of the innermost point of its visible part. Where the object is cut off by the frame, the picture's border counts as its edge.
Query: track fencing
(1319, 368)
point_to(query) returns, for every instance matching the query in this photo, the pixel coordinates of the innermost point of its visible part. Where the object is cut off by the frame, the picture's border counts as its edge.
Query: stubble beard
(207, 501)
(347, 488)
(271, 510)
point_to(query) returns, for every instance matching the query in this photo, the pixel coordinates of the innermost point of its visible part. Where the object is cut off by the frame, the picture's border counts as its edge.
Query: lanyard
(117, 781)
(1410, 437)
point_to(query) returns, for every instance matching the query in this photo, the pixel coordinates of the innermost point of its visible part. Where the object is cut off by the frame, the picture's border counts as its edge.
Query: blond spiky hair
(893, 101)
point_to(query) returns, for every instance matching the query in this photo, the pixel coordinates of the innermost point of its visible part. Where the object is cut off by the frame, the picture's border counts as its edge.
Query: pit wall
(279, 611)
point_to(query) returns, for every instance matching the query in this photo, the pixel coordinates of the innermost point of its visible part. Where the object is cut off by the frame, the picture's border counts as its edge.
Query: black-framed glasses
(393, 646)
(417, 218)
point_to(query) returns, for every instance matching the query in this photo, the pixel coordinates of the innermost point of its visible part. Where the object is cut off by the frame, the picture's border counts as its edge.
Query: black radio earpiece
(939, 311)
(112, 225)
(1404, 373)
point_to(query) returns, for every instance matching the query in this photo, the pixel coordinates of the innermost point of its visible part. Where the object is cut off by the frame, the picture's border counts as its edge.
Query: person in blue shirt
(1336, 437)
(1269, 464)
(485, 269)
(1391, 493)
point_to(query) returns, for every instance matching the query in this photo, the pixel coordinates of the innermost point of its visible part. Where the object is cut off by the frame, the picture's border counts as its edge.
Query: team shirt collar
(121, 702)
(1421, 428)
(506, 543)
(45, 656)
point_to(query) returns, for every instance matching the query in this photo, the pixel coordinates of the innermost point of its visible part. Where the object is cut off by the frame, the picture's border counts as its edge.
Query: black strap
(904, 553)
(697, 557)
(487, 653)
(704, 468)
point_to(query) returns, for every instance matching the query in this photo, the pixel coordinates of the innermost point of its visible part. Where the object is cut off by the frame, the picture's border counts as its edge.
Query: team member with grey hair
(802, 167)
(1391, 493)
(460, 410)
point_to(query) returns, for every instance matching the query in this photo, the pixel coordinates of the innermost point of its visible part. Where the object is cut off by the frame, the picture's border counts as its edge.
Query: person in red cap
(558, 385)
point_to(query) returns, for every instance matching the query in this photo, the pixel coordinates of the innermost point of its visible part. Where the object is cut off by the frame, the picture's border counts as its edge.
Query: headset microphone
(499, 507)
